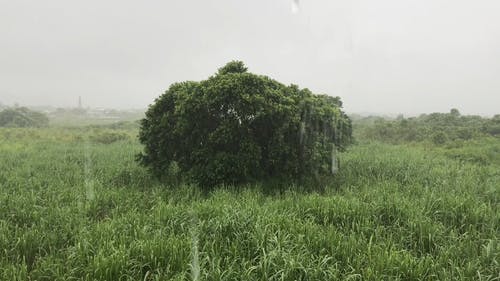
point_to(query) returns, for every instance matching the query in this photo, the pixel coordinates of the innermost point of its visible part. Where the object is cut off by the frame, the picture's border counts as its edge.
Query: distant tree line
(436, 127)
(22, 117)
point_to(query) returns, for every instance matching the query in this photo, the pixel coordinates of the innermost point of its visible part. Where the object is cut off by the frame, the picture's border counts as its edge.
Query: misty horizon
(389, 57)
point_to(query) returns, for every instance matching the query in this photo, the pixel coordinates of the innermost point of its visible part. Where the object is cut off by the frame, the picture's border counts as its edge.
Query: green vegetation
(22, 117)
(237, 127)
(436, 127)
(74, 205)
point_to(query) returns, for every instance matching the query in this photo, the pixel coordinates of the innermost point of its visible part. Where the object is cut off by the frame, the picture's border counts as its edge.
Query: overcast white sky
(383, 56)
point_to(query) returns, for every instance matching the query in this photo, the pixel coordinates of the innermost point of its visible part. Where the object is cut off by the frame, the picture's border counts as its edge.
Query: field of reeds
(74, 205)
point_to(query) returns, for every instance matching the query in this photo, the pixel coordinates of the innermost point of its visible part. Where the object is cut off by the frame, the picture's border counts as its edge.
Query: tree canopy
(22, 117)
(237, 127)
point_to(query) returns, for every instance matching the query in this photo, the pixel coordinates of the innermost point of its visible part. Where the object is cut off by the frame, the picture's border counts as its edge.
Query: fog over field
(387, 56)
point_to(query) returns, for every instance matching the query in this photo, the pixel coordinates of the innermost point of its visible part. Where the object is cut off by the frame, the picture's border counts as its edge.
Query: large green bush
(237, 127)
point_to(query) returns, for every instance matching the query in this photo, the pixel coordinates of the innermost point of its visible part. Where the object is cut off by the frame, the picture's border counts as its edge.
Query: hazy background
(384, 56)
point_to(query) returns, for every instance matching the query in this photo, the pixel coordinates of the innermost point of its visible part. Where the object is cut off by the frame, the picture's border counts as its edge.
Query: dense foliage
(238, 127)
(22, 117)
(436, 127)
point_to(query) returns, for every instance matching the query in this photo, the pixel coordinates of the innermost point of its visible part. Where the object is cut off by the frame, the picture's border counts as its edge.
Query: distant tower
(80, 102)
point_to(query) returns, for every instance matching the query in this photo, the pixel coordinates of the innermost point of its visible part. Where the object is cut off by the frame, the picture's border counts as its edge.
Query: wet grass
(83, 210)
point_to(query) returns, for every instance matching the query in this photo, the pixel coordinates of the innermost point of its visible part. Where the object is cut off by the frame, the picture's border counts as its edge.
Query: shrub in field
(439, 138)
(238, 127)
(22, 117)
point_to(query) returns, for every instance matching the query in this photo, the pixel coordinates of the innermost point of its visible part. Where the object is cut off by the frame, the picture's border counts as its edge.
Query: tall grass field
(74, 205)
